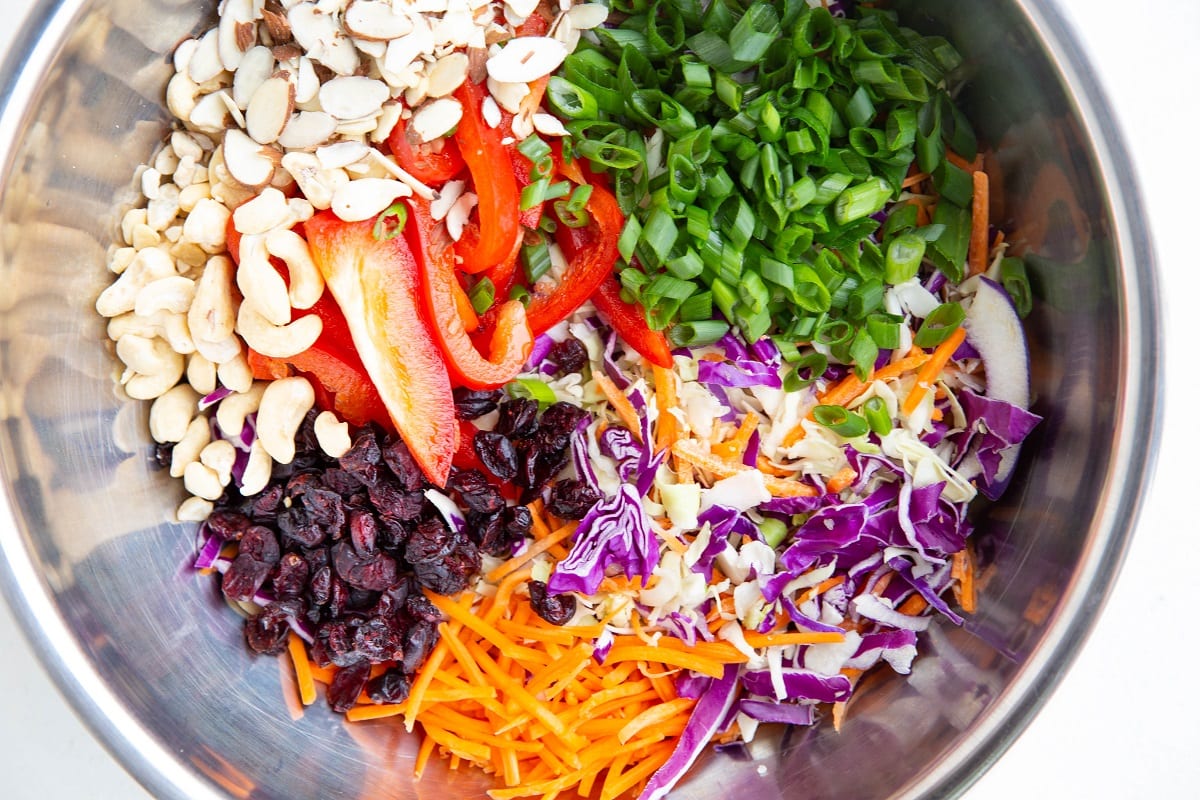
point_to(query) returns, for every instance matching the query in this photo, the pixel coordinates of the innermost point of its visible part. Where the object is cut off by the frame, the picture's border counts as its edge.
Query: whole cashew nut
(172, 294)
(233, 410)
(212, 314)
(164, 324)
(150, 264)
(306, 284)
(283, 406)
(260, 284)
(172, 412)
(277, 341)
(187, 449)
(236, 373)
(194, 509)
(202, 481)
(219, 456)
(257, 474)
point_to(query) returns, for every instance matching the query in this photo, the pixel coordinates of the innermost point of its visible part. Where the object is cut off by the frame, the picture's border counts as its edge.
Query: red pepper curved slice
(376, 284)
(511, 340)
(588, 266)
(486, 245)
(423, 164)
(629, 321)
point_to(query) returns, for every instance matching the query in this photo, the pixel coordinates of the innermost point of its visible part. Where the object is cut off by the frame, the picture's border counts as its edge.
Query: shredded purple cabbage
(738, 374)
(799, 684)
(615, 532)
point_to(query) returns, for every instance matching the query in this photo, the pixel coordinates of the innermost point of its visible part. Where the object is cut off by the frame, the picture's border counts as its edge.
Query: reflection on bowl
(150, 654)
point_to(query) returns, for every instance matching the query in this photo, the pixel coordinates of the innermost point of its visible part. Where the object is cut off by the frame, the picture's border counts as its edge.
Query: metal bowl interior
(153, 659)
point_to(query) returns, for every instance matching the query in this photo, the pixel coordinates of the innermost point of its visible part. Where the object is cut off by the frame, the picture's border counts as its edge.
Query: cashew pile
(279, 109)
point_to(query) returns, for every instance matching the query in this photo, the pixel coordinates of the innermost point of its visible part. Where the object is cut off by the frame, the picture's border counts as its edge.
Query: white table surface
(1123, 724)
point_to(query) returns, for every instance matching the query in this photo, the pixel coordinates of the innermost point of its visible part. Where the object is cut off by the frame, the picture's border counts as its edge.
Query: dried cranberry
(390, 687)
(518, 417)
(291, 575)
(557, 609)
(321, 585)
(571, 499)
(376, 571)
(378, 640)
(263, 507)
(363, 531)
(422, 637)
(399, 460)
(339, 597)
(363, 457)
(569, 355)
(518, 521)
(259, 543)
(347, 685)
(474, 403)
(392, 500)
(162, 455)
(561, 419)
(392, 533)
(267, 632)
(340, 482)
(296, 526)
(244, 577)
(476, 492)
(337, 640)
(325, 508)
(227, 525)
(451, 573)
(497, 453)
(430, 541)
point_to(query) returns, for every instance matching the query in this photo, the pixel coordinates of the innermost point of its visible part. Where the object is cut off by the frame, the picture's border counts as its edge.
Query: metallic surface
(152, 657)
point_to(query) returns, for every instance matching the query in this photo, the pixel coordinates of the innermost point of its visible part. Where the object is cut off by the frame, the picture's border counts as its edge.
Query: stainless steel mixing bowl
(153, 659)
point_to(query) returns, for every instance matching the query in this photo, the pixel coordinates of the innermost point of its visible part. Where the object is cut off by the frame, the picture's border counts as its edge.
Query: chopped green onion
(630, 235)
(697, 334)
(569, 100)
(390, 222)
(535, 258)
(903, 261)
(697, 308)
(937, 327)
(885, 330)
(842, 422)
(482, 295)
(773, 531)
(1016, 282)
(876, 413)
(861, 201)
(531, 389)
(953, 184)
(519, 292)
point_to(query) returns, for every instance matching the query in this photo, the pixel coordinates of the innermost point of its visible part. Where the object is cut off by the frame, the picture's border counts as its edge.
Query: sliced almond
(366, 198)
(386, 122)
(341, 154)
(457, 217)
(491, 112)
(548, 125)
(402, 52)
(316, 184)
(182, 56)
(205, 63)
(521, 8)
(375, 21)
(210, 113)
(369, 48)
(257, 65)
(276, 21)
(353, 97)
(477, 64)
(447, 197)
(454, 28)
(436, 119)
(447, 74)
(586, 16)
(307, 82)
(320, 35)
(508, 95)
(306, 130)
(270, 109)
(526, 59)
(233, 14)
(248, 162)
(287, 53)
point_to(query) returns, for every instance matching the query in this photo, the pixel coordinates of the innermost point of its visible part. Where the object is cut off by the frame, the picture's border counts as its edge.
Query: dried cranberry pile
(343, 547)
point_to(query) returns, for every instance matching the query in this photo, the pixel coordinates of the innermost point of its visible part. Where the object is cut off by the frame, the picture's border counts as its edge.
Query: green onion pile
(753, 165)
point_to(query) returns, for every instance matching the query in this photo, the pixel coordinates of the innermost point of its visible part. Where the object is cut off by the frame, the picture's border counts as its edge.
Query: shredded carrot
(820, 589)
(960, 162)
(932, 368)
(304, 677)
(736, 446)
(725, 468)
(621, 405)
(764, 465)
(759, 640)
(914, 360)
(845, 390)
(664, 397)
(962, 568)
(667, 655)
(914, 179)
(978, 252)
(654, 716)
(534, 550)
(914, 605)
(423, 753)
(841, 479)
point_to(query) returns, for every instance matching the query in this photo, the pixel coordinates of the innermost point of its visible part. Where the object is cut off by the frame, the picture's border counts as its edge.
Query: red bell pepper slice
(592, 252)
(511, 340)
(376, 285)
(487, 244)
(629, 321)
(421, 162)
(340, 380)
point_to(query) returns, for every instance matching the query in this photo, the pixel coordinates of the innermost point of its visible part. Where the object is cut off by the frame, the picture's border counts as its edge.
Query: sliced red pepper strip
(495, 185)
(588, 266)
(422, 163)
(511, 340)
(376, 284)
(629, 321)
(342, 383)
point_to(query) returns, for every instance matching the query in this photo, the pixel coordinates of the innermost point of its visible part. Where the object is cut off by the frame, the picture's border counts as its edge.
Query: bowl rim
(1136, 443)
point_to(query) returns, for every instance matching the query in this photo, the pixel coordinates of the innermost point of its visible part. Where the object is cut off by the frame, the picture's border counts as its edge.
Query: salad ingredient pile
(582, 385)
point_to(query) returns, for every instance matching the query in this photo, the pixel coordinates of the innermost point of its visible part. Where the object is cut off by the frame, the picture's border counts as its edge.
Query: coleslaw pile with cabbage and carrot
(743, 250)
